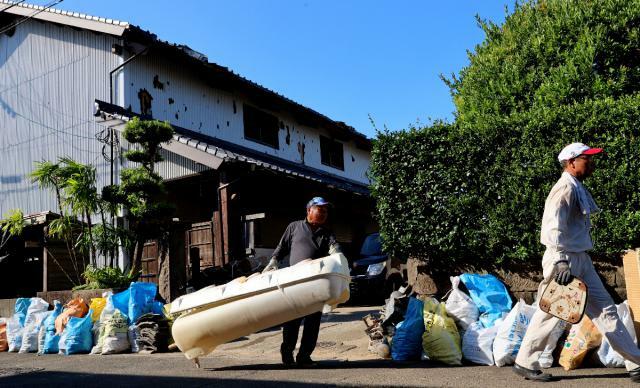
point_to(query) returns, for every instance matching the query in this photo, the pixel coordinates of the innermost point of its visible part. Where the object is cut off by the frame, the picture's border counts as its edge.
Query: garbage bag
(121, 300)
(114, 336)
(51, 339)
(477, 343)
(99, 327)
(20, 309)
(14, 333)
(31, 330)
(511, 332)
(97, 305)
(78, 335)
(407, 341)
(583, 337)
(42, 333)
(460, 306)
(36, 313)
(440, 341)
(141, 300)
(546, 358)
(74, 308)
(4, 344)
(489, 294)
(62, 347)
(133, 336)
(609, 357)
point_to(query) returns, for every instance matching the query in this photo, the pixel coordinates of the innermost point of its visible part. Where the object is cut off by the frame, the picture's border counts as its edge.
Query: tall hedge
(555, 72)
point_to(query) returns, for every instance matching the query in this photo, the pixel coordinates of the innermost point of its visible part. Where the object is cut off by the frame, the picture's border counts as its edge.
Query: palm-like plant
(48, 176)
(81, 195)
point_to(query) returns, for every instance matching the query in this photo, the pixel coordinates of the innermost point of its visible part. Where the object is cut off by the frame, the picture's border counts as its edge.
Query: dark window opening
(260, 127)
(331, 153)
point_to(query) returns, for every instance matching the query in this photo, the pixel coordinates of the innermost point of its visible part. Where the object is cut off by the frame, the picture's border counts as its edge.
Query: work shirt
(566, 220)
(301, 242)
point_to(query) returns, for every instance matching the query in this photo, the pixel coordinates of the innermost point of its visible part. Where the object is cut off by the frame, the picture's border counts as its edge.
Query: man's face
(582, 166)
(317, 215)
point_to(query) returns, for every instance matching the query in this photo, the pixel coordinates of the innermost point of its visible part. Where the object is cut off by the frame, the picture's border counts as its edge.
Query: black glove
(563, 273)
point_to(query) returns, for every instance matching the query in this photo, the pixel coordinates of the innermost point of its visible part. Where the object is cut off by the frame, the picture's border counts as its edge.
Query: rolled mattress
(219, 314)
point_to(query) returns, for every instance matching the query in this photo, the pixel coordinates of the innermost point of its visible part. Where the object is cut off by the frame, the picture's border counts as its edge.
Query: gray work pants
(600, 309)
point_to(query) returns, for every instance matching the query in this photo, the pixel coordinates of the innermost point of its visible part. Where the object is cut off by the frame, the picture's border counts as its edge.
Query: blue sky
(347, 59)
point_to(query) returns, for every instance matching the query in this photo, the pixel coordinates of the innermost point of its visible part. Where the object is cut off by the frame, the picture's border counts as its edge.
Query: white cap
(574, 150)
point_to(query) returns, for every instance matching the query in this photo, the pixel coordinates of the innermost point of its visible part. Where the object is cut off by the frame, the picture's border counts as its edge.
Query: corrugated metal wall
(49, 78)
(172, 167)
(188, 102)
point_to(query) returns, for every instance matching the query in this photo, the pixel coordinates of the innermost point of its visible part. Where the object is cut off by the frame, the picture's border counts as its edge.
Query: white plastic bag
(114, 336)
(32, 326)
(133, 336)
(546, 358)
(460, 306)
(609, 357)
(37, 305)
(477, 343)
(106, 313)
(14, 333)
(510, 333)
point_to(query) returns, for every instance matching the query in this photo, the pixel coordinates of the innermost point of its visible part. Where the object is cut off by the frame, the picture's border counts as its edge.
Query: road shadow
(348, 317)
(337, 364)
(84, 380)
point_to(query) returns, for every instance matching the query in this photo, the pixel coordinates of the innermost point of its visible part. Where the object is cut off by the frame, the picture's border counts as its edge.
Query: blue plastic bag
(141, 300)
(79, 337)
(20, 310)
(50, 338)
(407, 341)
(490, 295)
(121, 300)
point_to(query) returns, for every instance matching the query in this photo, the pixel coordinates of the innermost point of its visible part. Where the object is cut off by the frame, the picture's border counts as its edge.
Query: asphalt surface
(170, 370)
(254, 361)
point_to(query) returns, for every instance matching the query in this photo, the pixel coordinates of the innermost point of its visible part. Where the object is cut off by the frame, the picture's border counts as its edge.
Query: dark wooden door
(150, 262)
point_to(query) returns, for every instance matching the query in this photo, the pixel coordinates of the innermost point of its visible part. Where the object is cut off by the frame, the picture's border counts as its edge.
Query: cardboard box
(631, 263)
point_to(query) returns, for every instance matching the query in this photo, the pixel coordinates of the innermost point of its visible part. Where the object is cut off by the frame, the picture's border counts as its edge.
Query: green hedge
(473, 190)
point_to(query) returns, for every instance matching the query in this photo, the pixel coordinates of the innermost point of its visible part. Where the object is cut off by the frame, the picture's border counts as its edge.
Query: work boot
(530, 374)
(305, 362)
(287, 359)
(635, 375)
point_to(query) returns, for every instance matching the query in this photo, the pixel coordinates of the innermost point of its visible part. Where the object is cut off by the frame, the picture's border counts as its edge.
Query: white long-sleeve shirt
(565, 224)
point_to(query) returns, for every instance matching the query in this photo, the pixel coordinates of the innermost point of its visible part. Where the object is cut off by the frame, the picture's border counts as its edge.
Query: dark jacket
(301, 242)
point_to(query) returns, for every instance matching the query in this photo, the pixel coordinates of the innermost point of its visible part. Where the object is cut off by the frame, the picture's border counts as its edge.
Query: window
(260, 127)
(331, 153)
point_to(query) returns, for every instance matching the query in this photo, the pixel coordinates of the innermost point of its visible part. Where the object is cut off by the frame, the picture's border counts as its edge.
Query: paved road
(170, 370)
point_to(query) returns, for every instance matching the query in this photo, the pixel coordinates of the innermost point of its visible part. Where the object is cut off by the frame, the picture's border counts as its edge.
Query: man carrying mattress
(304, 239)
(565, 233)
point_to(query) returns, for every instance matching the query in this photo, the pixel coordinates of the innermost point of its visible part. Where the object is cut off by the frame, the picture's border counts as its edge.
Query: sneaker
(287, 359)
(529, 374)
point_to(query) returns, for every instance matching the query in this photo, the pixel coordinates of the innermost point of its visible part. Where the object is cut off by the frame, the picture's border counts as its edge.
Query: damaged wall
(187, 101)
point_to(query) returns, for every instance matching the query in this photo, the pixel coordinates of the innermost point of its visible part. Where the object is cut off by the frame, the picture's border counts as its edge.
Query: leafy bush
(107, 277)
(555, 72)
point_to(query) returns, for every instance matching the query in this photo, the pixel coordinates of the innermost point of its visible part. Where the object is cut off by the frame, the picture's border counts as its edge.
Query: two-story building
(243, 162)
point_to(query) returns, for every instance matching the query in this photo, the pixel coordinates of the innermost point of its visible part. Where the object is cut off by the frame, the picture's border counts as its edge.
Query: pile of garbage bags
(107, 325)
(481, 326)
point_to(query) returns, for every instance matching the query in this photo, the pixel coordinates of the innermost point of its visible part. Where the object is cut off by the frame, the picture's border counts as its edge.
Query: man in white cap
(565, 233)
(305, 239)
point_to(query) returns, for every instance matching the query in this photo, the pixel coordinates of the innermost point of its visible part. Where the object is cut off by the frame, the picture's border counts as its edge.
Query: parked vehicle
(374, 275)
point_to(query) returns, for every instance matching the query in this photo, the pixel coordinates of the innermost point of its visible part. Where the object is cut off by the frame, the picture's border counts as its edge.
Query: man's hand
(563, 273)
(272, 266)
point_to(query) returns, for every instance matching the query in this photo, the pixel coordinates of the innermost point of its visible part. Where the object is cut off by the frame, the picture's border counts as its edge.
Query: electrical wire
(24, 19)
(12, 5)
